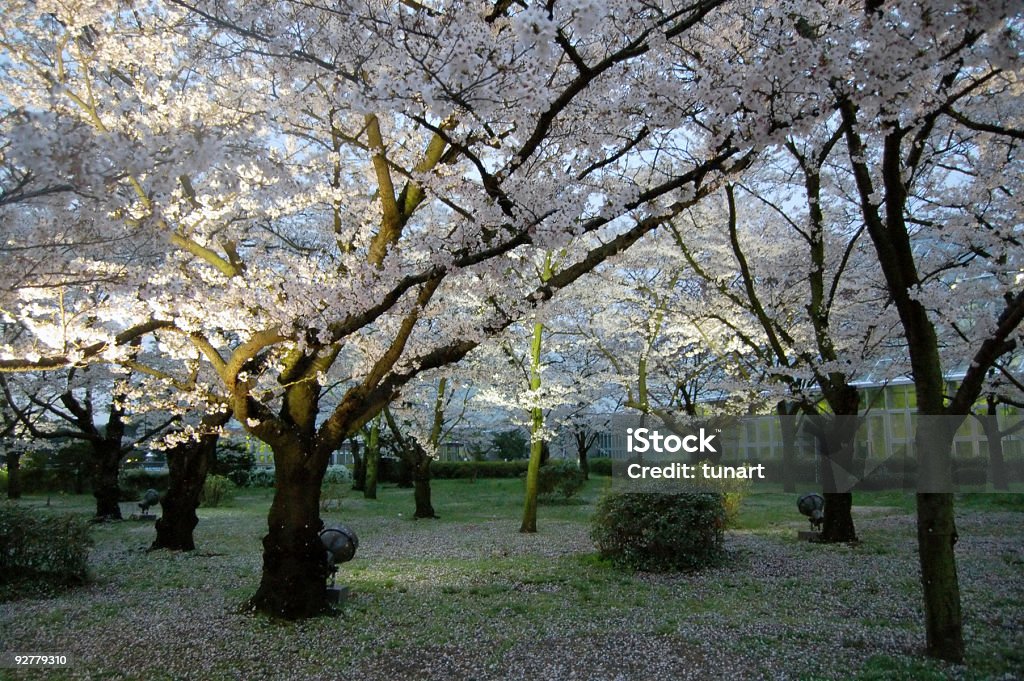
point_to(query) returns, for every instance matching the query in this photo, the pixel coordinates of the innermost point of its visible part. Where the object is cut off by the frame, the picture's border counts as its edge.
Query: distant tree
(510, 444)
(91, 405)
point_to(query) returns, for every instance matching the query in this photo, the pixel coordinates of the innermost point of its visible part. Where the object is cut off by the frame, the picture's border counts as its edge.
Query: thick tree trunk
(178, 520)
(836, 448)
(295, 569)
(421, 491)
(936, 538)
(13, 474)
(189, 463)
(838, 523)
(106, 458)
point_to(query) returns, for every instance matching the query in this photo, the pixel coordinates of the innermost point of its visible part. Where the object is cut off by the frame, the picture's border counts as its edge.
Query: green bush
(559, 479)
(262, 477)
(660, 532)
(337, 480)
(446, 470)
(3, 480)
(217, 490)
(602, 465)
(35, 544)
(338, 475)
(511, 444)
(733, 491)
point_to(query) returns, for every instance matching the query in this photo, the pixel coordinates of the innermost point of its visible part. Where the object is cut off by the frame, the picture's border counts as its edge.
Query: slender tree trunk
(13, 474)
(529, 523)
(936, 530)
(189, 464)
(937, 537)
(106, 456)
(295, 569)
(81, 473)
(372, 459)
(582, 448)
(416, 459)
(358, 467)
(536, 444)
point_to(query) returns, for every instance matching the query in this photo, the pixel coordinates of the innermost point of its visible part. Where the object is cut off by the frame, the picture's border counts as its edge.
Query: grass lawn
(468, 597)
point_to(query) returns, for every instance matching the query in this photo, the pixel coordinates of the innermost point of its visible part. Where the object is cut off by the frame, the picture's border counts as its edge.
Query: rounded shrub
(262, 477)
(660, 532)
(217, 490)
(338, 475)
(559, 480)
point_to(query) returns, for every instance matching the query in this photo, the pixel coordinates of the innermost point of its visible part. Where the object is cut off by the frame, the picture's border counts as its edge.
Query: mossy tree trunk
(529, 523)
(901, 152)
(8, 427)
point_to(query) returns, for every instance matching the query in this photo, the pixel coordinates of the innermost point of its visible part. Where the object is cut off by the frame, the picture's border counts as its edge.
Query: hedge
(37, 544)
(443, 470)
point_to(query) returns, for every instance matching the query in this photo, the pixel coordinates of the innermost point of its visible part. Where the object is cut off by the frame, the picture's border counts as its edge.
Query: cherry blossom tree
(800, 275)
(407, 156)
(91, 405)
(429, 412)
